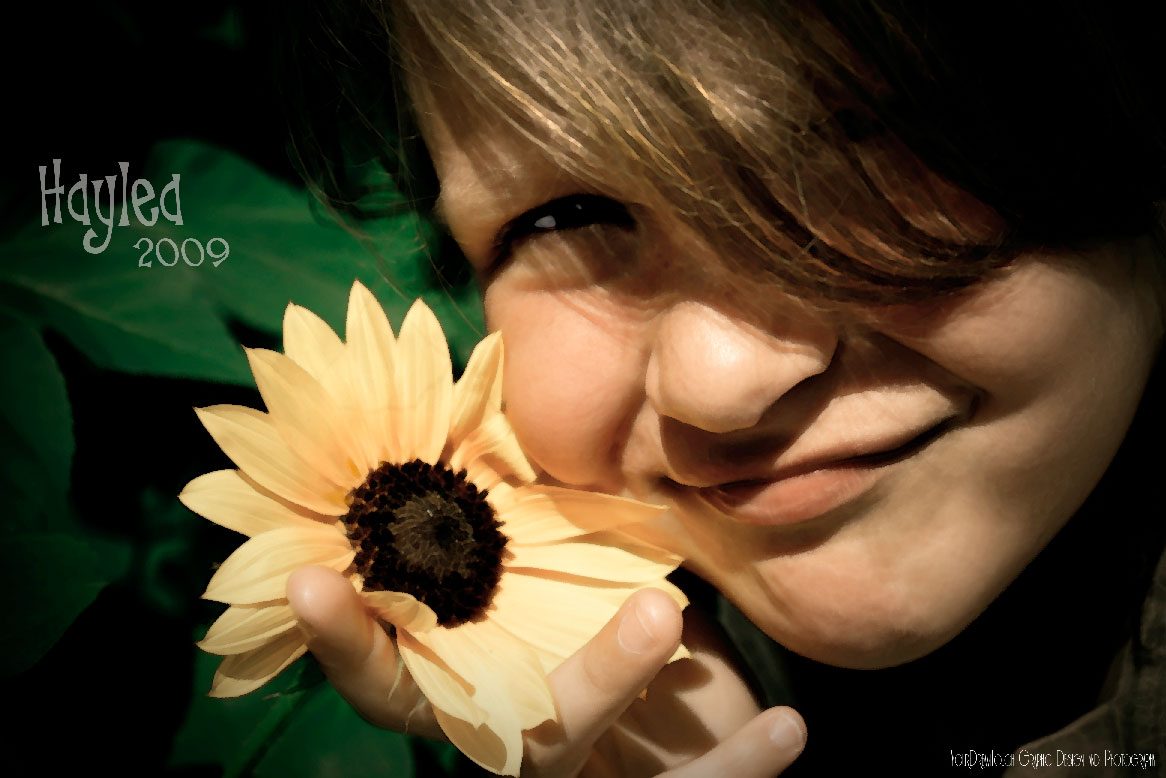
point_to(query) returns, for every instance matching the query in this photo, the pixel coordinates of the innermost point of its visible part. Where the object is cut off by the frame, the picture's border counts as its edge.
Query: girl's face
(861, 491)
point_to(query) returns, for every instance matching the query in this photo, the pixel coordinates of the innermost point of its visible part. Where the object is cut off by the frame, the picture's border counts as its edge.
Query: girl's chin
(857, 638)
(862, 651)
(868, 656)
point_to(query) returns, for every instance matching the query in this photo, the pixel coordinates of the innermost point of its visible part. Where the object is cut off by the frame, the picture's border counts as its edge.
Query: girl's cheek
(573, 379)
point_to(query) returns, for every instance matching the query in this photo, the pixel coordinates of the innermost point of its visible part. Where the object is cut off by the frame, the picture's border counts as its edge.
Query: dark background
(103, 361)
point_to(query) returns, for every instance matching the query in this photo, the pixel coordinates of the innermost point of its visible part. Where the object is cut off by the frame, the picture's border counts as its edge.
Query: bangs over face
(765, 145)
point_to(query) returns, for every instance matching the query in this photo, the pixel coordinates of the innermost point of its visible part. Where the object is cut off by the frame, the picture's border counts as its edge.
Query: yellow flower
(371, 461)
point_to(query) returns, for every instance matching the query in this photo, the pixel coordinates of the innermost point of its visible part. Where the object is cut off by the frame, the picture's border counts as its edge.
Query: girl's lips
(793, 499)
(808, 493)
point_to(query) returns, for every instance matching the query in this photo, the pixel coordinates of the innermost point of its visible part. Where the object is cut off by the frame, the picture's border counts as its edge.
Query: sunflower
(372, 461)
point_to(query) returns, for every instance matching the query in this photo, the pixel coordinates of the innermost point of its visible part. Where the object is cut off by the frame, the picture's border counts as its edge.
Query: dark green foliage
(103, 360)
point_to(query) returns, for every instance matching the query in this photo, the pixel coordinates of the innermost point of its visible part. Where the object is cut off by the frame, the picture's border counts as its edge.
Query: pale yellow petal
(500, 494)
(246, 672)
(602, 555)
(503, 671)
(255, 445)
(483, 476)
(547, 660)
(305, 415)
(258, 570)
(444, 689)
(478, 392)
(225, 498)
(681, 652)
(498, 754)
(402, 610)
(673, 591)
(511, 702)
(493, 440)
(424, 386)
(242, 629)
(558, 617)
(313, 345)
(546, 514)
(372, 354)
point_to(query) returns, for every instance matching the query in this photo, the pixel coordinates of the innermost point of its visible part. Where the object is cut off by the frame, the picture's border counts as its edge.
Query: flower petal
(242, 629)
(312, 344)
(546, 514)
(305, 415)
(498, 754)
(252, 442)
(402, 610)
(602, 555)
(258, 570)
(478, 393)
(494, 441)
(504, 672)
(246, 672)
(499, 495)
(444, 689)
(559, 617)
(225, 498)
(485, 477)
(372, 353)
(424, 386)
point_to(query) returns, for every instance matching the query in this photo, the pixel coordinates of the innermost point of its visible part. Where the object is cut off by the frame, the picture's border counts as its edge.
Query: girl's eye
(565, 213)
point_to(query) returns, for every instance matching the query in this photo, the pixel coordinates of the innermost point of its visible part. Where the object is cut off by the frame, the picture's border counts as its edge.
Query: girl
(870, 296)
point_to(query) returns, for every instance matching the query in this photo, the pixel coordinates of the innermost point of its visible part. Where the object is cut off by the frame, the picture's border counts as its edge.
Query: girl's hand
(697, 719)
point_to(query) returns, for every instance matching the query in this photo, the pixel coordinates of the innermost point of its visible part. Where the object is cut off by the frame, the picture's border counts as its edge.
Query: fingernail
(787, 733)
(634, 636)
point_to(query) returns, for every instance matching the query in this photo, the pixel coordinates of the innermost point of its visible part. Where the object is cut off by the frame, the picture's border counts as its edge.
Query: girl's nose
(720, 374)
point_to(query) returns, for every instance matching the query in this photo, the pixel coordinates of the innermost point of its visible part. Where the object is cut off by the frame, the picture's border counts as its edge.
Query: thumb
(595, 685)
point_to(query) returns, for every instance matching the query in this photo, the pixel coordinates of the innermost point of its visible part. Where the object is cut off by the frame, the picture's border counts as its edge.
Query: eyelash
(564, 213)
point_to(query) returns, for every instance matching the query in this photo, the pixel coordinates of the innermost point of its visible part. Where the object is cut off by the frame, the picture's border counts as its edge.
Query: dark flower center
(427, 531)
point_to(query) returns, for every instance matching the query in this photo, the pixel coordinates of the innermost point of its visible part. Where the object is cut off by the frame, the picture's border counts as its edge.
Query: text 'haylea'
(140, 193)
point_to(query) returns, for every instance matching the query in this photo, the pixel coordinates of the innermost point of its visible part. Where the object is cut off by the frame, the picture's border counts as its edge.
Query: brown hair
(866, 152)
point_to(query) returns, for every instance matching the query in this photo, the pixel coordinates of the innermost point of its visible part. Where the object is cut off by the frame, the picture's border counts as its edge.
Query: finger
(595, 685)
(761, 749)
(355, 653)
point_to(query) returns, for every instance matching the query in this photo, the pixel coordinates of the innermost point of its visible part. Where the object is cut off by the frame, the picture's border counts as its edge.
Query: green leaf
(121, 316)
(235, 733)
(48, 578)
(50, 571)
(327, 738)
(36, 430)
(297, 726)
(138, 306)
(285, 248)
